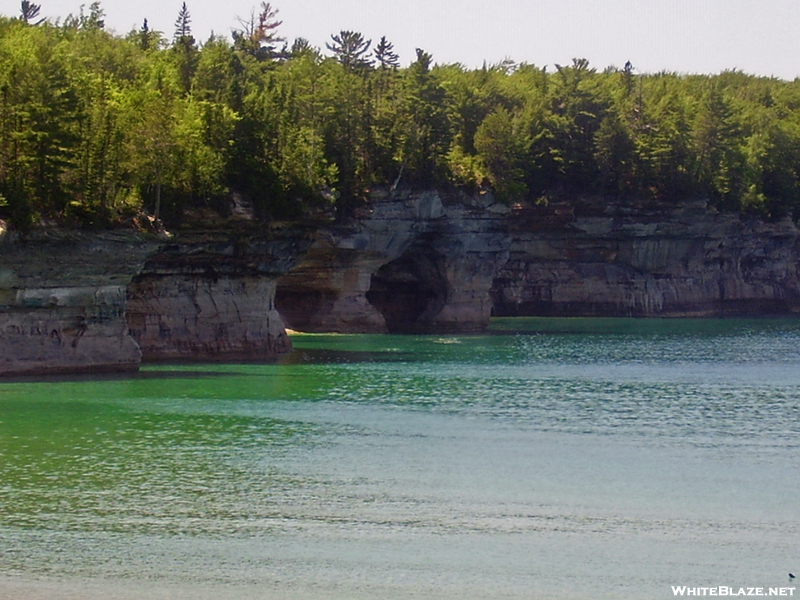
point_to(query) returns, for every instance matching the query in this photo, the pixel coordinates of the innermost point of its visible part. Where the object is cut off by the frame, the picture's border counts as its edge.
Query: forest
(96, 128)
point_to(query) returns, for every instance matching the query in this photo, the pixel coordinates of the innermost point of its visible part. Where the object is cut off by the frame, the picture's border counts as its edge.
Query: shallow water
(552, 458)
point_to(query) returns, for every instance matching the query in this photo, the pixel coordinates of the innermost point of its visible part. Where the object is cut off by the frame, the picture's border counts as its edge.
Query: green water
(549, 458)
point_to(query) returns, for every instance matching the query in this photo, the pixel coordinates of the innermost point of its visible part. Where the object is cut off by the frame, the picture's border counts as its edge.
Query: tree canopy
(96, 127)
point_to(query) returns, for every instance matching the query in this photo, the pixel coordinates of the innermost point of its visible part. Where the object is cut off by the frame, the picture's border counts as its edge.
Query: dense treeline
(96, 127)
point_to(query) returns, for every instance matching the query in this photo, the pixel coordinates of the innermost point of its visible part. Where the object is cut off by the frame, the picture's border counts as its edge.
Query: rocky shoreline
(409, 263)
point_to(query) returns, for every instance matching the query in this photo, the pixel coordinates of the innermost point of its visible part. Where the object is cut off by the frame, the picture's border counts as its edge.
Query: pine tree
(183, 28)
(350, 48)
(259, 36)
(384, 54)
(29, 11)
(427, 134)
(185, 48)
(145, 37)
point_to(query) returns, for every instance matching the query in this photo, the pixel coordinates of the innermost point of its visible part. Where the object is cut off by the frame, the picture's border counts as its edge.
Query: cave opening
(410, 290)
(300, 308)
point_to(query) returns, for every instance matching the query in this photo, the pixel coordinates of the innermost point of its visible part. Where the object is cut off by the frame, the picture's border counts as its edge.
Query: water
(553, 458)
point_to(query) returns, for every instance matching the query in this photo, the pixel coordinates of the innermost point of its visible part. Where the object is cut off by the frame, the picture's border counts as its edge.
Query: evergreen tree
(350, 49)
(578, 107)
(384, 54)
(502, 149)
(426, 138)
(147, 39)
(301, 47)
(718, 159)
(184, 48)
(183, 27)
(92, 126)
(29, 11)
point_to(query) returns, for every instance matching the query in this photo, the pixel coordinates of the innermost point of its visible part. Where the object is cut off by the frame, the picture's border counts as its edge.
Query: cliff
(75, 302)
(410, 263)
(685, 259)
(209, 294)
(62, 301)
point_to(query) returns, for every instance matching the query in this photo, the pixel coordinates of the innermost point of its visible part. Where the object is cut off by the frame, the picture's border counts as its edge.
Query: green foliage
(94, 20)
(146, 38)
(385, 55)
(501, 149)
(183, 27)
(38, 112)
(425, 138)
(614, 155)
(94, 127)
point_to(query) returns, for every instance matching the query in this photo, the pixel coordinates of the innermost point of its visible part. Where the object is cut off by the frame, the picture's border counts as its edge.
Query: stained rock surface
(62, 302)
(210, 295)
(411, 263)
(680, 259)
(421, 262)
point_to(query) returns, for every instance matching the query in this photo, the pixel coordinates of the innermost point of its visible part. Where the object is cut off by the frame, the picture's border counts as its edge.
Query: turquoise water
(551, 458)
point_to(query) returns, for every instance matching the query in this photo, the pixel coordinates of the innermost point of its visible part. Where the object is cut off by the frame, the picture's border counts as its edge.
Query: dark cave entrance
(410, 290)
(300, 308)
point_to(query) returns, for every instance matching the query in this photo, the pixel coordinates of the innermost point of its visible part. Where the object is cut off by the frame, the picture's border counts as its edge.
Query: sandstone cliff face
(412, 263)
(62, 302)
(679, 260)
(73, 302)
(209, 295)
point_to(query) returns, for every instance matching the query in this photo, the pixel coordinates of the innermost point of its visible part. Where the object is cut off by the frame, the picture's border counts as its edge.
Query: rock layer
(62, 302)
(209, 295)
(73, 302)
(594, 259)
(411, 263)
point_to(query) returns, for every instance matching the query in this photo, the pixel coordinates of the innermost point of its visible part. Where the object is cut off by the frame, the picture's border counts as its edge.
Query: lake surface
(551, 458)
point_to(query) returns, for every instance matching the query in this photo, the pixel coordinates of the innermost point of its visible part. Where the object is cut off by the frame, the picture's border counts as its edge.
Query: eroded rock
(683, 259)
(209, 295)
(62, 302)
(416, 263)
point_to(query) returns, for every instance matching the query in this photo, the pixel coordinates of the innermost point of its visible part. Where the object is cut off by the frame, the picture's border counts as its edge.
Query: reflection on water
(556, 458)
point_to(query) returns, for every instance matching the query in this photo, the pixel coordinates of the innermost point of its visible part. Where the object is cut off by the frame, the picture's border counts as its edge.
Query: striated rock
(412, 263)
(74, 302)
(441, 282)
(415, 263)
(674, 260)
(209, 295)
(191, 317)
(326, 290)
(62, 302)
